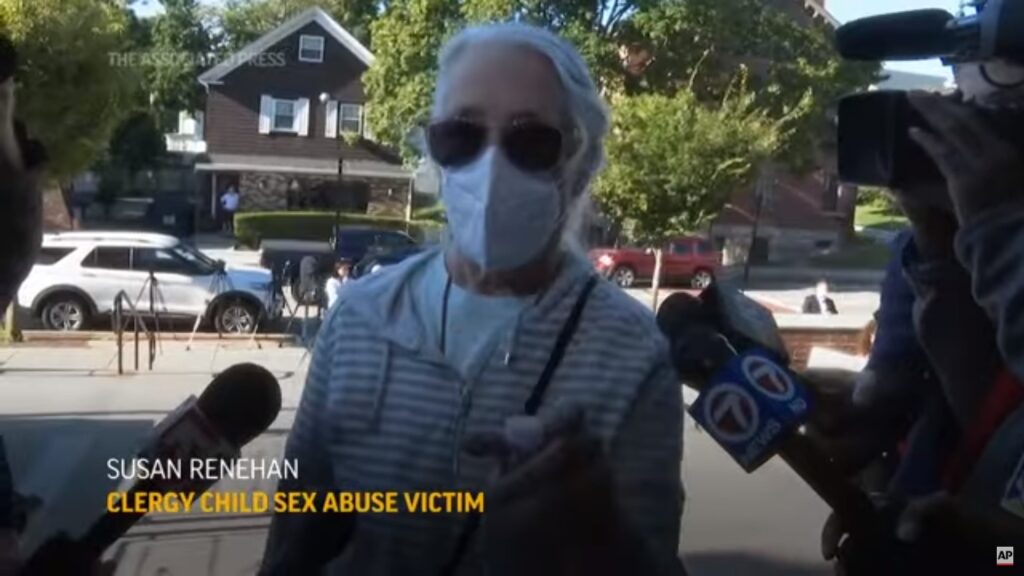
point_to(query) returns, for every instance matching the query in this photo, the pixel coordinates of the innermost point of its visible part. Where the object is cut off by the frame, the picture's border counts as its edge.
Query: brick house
(803, 214)
(285, 124)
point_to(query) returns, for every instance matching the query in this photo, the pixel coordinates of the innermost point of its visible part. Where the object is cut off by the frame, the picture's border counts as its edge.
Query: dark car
(172, 214)
(354, 244)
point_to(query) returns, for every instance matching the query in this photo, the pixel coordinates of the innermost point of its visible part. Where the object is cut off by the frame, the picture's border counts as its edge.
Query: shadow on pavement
(748, 564)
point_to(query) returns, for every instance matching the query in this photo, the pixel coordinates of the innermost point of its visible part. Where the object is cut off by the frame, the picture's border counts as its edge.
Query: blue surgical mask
(499, 216)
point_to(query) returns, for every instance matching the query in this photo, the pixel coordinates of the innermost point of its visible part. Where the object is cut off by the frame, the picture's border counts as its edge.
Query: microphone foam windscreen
(681, 310)
(913, 35)
(241, 402)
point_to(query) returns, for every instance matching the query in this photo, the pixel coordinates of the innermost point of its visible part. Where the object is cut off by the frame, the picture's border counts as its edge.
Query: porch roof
(294, 165)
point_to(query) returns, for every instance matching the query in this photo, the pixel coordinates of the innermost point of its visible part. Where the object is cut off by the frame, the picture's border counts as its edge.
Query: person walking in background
(820, 302)
(228, 206)
(342, 269)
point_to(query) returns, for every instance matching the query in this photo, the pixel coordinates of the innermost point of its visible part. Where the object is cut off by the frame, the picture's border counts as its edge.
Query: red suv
(685, 259)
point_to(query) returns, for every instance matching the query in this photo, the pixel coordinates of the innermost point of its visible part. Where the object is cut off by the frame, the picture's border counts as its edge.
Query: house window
(311, 48)
(284, 116)
(350, 118)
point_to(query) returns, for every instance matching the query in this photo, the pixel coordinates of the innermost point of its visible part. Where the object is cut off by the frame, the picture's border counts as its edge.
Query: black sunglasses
(530, 145)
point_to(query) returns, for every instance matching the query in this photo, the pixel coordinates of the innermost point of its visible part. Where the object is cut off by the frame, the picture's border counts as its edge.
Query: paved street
(66, 412)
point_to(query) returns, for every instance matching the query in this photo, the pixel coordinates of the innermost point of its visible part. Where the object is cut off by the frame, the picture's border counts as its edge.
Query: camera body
(875, 148)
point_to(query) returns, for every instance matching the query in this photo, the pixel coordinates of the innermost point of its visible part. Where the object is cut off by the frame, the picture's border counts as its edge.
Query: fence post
(136, 316)
(119, 331)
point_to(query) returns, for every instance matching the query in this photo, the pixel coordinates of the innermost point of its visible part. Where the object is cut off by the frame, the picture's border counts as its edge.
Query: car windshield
(195, 257)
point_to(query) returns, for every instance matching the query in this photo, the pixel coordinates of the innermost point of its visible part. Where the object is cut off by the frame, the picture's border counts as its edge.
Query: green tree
(243, 21)
(73, 91)
(400, 84)
(180, 53)
(674, 161)
(795, 70)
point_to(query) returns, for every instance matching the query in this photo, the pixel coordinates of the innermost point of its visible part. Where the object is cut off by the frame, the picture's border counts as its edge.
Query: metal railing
(138, 323)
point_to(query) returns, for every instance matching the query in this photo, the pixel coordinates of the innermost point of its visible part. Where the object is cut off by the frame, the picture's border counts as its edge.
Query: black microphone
(913, 35)
(752, 406)
(237, 406)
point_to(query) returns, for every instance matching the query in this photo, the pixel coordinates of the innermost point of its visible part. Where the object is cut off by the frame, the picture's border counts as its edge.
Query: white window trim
(295, 116)
(323, 44)
(341, 118)
(331, 122)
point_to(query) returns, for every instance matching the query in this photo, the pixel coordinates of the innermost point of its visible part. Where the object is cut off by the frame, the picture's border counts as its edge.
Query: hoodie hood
(386, 299)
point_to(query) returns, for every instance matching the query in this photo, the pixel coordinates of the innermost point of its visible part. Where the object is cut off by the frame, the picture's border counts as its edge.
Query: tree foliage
(674, 161)
(243, 21)
(71, 93)
(795, 70)
(137, 143)
(180, 51)
(400, 84)
(636, 47)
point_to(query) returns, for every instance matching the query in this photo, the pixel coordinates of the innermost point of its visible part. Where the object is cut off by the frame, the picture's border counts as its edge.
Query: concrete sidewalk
(66, 411)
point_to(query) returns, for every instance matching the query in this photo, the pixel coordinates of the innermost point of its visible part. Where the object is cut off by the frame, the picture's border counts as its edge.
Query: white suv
(78, 275)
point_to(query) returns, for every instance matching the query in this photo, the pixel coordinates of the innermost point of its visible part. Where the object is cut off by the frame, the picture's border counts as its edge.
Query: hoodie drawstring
(382, 384)
(513, 339)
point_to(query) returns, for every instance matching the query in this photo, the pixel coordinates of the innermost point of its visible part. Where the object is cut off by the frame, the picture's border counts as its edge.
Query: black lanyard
(532, 403)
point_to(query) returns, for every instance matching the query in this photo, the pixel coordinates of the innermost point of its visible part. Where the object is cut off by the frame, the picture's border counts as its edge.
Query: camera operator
(961, 266)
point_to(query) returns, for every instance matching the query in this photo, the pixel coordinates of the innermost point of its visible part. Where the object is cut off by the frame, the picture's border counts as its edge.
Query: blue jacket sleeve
(991, 248)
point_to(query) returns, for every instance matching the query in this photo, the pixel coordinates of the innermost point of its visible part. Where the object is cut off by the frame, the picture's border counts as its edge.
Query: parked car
(352, 244)
(685, 259)
(78, 276)
(172, 214)
(375, 262)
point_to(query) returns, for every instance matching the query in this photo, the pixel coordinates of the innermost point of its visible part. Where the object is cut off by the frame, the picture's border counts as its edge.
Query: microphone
(913, 35)
(994, 32)
(238, 405)
(751, 405)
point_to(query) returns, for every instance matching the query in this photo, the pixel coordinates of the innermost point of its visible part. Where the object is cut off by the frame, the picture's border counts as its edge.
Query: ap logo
(1004, 555)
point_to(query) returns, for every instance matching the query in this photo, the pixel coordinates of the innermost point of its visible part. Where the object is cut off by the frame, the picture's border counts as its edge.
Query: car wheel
(66, 313)
(236, 317)
(702, 279)
(624, 276)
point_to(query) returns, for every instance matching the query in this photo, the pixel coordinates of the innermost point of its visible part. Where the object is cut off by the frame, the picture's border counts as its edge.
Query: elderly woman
(499, 364)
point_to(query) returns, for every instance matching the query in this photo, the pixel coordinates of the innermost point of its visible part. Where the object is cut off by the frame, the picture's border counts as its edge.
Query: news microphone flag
(750, 406)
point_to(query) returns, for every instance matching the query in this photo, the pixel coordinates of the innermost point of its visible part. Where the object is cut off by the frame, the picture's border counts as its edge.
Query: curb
(88, 336)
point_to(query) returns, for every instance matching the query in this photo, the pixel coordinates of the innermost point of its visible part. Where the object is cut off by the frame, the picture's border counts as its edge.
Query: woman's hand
(983, 170)
(554, 513)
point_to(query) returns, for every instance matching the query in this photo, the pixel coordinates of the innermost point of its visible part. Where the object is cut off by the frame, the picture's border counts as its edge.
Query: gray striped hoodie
(383, 410)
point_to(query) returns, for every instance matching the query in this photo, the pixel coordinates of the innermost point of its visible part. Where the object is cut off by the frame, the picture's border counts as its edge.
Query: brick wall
(799, 341)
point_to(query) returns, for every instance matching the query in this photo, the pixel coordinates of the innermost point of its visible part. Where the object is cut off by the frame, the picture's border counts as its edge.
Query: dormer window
(311, 48)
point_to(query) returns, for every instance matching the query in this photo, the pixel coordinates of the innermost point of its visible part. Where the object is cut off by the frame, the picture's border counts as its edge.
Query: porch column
(213, 196)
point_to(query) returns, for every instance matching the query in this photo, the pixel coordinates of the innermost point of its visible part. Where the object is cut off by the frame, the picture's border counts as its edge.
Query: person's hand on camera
(555, 511)
(982, 169)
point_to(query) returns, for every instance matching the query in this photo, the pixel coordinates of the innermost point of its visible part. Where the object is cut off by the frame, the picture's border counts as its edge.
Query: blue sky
(844, 10)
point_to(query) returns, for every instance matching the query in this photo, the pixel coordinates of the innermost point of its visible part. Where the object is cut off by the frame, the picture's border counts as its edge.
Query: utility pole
(762, 193)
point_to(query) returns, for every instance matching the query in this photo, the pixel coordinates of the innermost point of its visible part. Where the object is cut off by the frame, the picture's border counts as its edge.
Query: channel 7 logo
(1004, 555)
